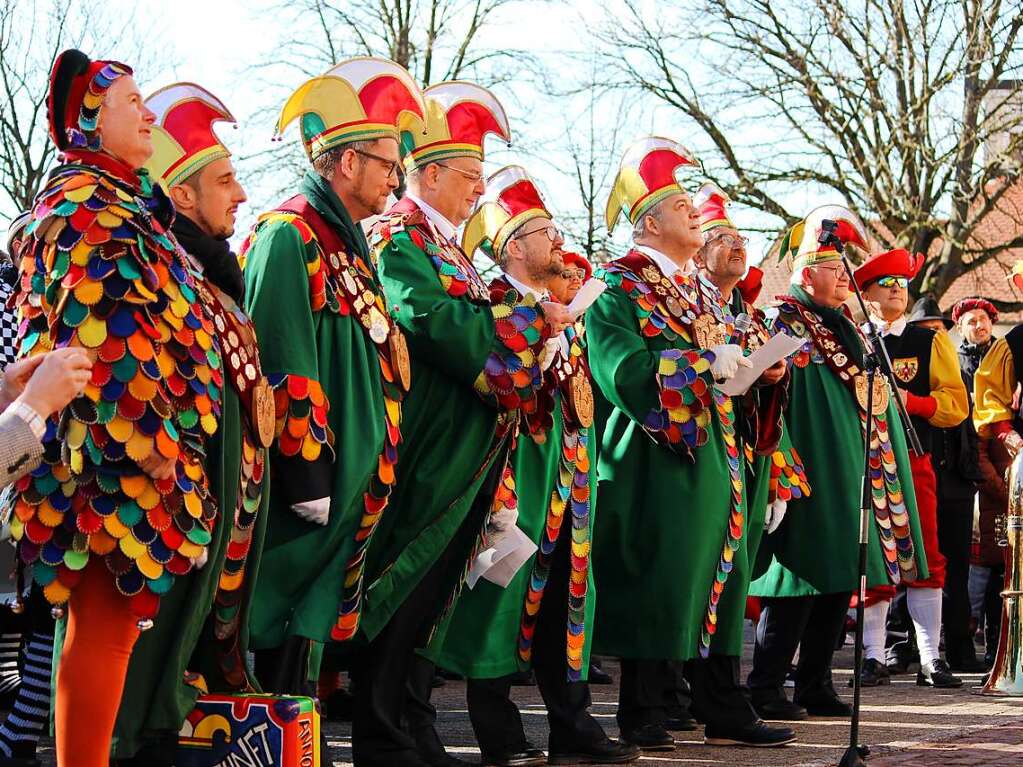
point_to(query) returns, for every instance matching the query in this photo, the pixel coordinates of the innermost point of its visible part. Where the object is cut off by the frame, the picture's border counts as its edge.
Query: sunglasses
(891, 282)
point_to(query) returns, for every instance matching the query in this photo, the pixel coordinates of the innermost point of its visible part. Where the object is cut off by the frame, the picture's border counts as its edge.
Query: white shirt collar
(664, 263)
(440, 223)
(894, 329)
(524, 289)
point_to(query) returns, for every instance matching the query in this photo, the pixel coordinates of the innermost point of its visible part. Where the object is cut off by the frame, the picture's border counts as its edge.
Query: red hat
(964, 305)
(577, 259)
(77, 87)
(183, 137)
(751, 285)
(893, 263)
(712, 203)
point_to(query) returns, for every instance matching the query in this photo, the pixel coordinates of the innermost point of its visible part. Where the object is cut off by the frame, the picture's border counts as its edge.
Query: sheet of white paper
(588, 293)
(778, 348)
(499, 563)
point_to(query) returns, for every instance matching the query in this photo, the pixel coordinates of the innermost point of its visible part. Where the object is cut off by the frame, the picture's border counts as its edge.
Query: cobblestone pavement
(904, 726)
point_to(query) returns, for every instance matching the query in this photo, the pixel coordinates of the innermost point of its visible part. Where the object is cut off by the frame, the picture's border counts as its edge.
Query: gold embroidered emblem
(905, 368)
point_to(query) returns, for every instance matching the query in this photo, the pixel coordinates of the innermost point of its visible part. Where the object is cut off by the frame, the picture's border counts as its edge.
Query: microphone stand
(875, 358)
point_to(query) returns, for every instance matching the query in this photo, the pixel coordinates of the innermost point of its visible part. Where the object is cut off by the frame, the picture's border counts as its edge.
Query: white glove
(775, 514)
(727, 361)
(200, 561)
(504, 520)
(313, 511)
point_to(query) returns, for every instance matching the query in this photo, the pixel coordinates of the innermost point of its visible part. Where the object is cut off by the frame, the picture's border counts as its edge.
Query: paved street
(905, 726)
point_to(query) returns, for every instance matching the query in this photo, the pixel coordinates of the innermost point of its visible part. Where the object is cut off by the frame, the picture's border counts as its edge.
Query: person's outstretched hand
(48, 382)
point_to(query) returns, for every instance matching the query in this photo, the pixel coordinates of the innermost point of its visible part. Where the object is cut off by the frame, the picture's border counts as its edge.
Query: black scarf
(320, 195)
(970, 356)
(218, 262)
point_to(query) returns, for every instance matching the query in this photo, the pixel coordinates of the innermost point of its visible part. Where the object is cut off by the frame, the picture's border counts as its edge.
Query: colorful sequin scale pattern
(100, 272)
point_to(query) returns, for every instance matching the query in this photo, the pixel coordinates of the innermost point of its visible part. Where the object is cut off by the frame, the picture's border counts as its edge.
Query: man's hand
(775, 514)
(728, 359)
(556, 315)
(317, 512)
(52, 381)
(14, 378)
(504, 519)
(158, 467)
(773, 374)
(1013, 443)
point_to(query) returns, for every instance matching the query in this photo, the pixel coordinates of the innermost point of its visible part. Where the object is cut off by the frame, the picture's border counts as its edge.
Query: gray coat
(20, 451)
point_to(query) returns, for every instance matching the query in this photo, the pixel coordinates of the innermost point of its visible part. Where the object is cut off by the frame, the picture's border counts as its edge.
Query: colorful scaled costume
(544, 616)
(203, 619)
(927, 369)
(339, 368)
(475, 364)
(815, 551)
(101, 270)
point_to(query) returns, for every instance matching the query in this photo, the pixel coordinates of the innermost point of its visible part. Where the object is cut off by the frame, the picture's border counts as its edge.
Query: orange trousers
(101, 632)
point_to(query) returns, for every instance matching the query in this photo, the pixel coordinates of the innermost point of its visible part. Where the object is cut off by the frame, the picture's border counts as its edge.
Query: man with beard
(337, 362)
(931, 386)
(475, 365)
(670, 462)
(196, 171)
(544, 617)
(772, 479)
(806, 589)
(975, 318)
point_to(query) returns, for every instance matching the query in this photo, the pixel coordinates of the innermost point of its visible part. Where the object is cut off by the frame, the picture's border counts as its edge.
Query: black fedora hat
(926, 308)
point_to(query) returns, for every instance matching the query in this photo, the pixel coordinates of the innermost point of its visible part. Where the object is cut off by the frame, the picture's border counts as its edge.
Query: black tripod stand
(875, 359)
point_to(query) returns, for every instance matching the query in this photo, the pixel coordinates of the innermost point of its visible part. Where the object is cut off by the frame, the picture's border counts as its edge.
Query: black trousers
(382, 732)
(814, 624)
(495, 717)
(284, 670)
(955, 533)
(993, 612)
(719, 699)
(647, 691)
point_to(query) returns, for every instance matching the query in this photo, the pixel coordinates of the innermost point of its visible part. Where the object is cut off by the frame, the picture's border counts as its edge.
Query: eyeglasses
(473, 177)
(552, 232)
(392, 165)
(891, 281)
(838, 269)
(730, 240)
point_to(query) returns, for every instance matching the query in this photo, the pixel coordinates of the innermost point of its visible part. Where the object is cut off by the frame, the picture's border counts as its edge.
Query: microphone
(743, 322)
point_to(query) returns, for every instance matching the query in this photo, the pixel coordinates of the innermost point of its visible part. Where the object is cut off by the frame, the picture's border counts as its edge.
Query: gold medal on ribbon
(582, 398)
(400, 363)
(707, 332)
(879, 402)
(264, 414)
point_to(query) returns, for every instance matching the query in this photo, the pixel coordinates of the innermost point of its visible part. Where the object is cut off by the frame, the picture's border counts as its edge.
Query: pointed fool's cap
(802, 241)
(712, 203)
(645, 177)
(360, 99)
(183, 138)
(459, 115)
(512, 198)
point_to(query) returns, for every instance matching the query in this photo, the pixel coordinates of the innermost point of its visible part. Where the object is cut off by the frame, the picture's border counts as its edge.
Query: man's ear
(347, 163)
(183, 196)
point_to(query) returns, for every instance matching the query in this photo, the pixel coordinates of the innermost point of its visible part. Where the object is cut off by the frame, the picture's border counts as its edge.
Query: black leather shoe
(650, 737)
(606, 751)
(524, 758)
(681, 724)
(826, 706)
(447, 760)
(779, 710)
(936, 674)
(873, 674)
(15, 761)
(599, 676)
(758, 734)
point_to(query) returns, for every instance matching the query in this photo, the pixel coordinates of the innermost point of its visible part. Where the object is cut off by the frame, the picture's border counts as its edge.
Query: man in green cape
(673, 511)
(543, 617)
(475, 365)
(338, 364)
(814, 571)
